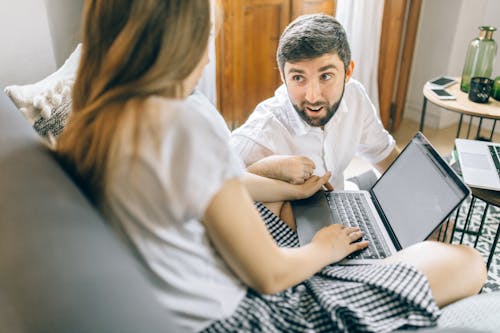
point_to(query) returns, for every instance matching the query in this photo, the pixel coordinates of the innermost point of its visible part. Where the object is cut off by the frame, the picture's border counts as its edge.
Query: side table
(463, 106)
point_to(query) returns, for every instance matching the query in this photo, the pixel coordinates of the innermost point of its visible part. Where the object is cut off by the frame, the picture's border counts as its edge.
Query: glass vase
(480, 57)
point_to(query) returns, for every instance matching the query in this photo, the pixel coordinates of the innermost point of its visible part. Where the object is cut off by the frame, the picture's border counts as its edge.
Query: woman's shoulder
(162, 118)
(163, 114)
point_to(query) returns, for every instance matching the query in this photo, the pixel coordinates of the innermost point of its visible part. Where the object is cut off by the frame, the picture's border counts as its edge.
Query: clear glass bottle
(480, 57)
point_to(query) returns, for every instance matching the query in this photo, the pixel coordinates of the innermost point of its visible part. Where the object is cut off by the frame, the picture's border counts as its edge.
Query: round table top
(462, 104)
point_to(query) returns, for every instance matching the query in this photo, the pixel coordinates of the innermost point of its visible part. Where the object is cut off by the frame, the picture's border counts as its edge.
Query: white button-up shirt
(275, 128)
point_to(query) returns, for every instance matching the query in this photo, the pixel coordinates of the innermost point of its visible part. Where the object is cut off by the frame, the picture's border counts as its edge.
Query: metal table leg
(493, 129)
(478, 133)
(485, 212)
(467, 220)
(459, 125)
(469, 127)
(493, 247)
(454, 225)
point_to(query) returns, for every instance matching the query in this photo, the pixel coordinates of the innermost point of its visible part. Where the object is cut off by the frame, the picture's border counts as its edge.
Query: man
(320, 118)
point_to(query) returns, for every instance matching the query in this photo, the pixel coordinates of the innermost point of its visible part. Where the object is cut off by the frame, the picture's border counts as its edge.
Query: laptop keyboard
(495, 153)
(350, 210)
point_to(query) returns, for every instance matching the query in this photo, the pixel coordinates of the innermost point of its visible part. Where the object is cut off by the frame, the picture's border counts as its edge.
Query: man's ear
(349, 71)
(282, 77)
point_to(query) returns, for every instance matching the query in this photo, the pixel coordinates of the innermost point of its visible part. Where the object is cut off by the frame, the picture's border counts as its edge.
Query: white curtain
(362, 21)
(207, 84)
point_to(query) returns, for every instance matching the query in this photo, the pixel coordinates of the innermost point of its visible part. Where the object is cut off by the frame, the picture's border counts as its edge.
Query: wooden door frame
(410, 37)
(397, 44)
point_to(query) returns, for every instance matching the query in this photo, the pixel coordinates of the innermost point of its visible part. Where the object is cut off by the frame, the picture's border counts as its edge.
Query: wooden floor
(442, 139)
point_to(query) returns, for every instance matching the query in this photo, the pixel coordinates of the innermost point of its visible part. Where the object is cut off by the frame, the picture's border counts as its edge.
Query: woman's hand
(338, 241)
(272, 190)
(312, 185)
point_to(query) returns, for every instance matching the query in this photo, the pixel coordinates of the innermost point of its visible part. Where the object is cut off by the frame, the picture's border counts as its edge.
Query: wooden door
(300, 7)
(246, 55)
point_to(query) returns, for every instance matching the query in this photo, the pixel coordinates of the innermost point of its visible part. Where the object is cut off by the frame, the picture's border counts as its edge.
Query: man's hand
(290, 168)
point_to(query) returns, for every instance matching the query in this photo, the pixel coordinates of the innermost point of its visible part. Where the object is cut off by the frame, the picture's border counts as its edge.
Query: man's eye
(326, 76)
(297, 78)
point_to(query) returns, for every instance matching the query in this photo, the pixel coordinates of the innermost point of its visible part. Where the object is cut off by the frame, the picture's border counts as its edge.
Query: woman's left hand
(312, 185)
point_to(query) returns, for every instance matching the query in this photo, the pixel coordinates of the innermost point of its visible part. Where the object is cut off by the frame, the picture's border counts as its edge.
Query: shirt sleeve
(258, 137)
(247, 149)
(198, 160)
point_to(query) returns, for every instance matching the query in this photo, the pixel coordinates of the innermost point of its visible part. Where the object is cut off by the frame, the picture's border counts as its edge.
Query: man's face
(316, 86)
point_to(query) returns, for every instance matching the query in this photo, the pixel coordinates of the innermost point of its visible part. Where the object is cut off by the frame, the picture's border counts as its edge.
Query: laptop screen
(418, 191)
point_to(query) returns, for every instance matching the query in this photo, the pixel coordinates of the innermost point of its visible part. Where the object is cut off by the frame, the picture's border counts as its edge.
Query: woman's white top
(157, 200)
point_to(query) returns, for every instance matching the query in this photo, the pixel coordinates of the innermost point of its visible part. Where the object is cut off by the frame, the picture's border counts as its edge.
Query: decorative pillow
(55, 108)
(24, 97)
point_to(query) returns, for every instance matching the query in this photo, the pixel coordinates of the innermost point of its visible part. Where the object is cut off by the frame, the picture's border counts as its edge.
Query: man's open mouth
(314, 109)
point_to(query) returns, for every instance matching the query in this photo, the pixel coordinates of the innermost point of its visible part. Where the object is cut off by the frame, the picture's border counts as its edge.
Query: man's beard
(330, 111)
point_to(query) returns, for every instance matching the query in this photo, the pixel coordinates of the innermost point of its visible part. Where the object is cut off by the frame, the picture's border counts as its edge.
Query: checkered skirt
(358, 298)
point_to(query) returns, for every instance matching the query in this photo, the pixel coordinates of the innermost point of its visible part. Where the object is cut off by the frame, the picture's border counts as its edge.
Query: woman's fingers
(356, 246)
(355, 235)
(328, 186)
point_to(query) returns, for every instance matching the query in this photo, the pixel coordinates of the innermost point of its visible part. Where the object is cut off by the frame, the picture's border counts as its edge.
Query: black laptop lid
(417, 192)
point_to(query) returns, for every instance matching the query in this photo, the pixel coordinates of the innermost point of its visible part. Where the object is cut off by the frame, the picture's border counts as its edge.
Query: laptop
(479, 163)
(408, 202)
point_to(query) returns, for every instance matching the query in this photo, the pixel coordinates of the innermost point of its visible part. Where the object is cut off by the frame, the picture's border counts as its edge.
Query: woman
(161, 170)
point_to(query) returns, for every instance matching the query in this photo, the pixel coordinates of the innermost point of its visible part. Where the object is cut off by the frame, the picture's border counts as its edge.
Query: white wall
(445, 29)
(25, 41)
(36, 37)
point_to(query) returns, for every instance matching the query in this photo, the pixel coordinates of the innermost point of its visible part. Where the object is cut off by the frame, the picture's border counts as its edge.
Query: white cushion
(38, 99)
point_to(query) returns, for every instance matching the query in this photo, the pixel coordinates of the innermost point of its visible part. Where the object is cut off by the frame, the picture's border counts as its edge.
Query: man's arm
(384, 164)
(261, 160)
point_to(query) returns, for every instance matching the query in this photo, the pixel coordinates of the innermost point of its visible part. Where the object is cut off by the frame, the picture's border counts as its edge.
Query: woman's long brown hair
(130, 49)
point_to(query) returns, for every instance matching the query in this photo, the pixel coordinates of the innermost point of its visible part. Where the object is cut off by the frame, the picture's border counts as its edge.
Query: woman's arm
(272, 190)
(294, 169)
(237, 231)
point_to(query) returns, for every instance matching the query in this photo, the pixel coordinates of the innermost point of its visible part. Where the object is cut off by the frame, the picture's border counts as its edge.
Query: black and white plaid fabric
(364, 298)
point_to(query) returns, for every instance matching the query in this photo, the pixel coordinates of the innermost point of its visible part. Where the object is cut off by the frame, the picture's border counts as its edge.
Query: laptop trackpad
(311, 214)
(475, 161)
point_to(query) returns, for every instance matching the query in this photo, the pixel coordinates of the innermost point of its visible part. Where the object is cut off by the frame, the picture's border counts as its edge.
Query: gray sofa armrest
(62, 269)
(481, 312)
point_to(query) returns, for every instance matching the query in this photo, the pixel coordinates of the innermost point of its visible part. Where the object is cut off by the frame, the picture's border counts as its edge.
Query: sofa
(62, 269)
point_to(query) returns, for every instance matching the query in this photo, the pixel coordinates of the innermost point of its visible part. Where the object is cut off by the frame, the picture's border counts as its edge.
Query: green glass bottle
(480, 57)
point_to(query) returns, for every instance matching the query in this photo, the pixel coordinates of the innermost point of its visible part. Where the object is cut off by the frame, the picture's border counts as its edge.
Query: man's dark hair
(311, 36)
